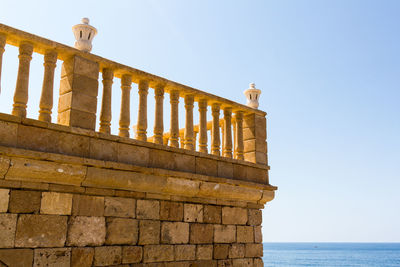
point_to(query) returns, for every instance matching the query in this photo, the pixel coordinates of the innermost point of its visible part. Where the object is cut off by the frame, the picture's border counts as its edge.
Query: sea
(331, 254)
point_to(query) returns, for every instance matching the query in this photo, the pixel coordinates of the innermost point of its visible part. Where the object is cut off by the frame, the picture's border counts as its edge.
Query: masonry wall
(45, 224)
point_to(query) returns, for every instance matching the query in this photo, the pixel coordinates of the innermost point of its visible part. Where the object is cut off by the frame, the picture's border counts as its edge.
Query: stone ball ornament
(84, 34)
(253, 95)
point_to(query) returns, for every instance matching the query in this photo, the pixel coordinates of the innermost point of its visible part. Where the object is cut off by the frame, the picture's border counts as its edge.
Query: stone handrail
(78, 101)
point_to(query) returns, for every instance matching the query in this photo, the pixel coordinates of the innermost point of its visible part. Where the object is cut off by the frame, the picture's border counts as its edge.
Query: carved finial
(84, 34)
(253, 95)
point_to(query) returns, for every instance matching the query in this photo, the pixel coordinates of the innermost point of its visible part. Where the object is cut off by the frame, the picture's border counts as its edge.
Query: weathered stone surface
(254, 250)
(201, 233)
(174, 233)
(185, 252)
(242, 262)
(193, 213)
(183, 187)
(120, 207)
(221, 251)
(224, 233)
(148, 209)
(22, 201)
(121, 231)
(255, 217)
(158, 253)
(135, 155)
(149, 232)
(16, 257)
(171, 211)
(4, 199)
(99, 191)
(245, 234)
(56, 203)
(258, 262)
(4, 165)
(88, 206)
(236, 251)
(225, 263)
(162, 159)
(132, 254)
(206, 166)
(257, 234)
(232, 215)
(8, 224)
(185, 163)
(212, 214)
(225, 169)
(8, 133)
(52, 257)
(82, 257)
(86, 231)
(103, 149)
(106, 256)
(41, 231)
(205, 263)
(204, 252)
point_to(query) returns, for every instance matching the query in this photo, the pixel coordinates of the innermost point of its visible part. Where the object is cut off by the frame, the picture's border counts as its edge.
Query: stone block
(206, 166)
(148, 209)
(106, 256)
(236, 251)
(171, 211)
(4, 199)
(221, 251)
(205, 263)
(120, 207)
(4, 166)
(132, 254)
(16, 257)
(162, 159)
(225, 169)
(212, 214)
(245, 234)
(8, 133)
(121, 231)
(80, 66)
(88, 206)
(86, 231)
(256, 157)
(185, 252)
(66, 188)
(56, 203)
(257, 234)
(201, 233)
(103, 149)
(242, 262)
(257, 175)
(233, 215)
(204, 252)
(193, 213)
(185, 163)
(258, 262)
(239, 172)
(254, 250)
(131, 154)
(78, 101)
(8, 223)
(224, 233)
(82, 257)
(224, 263)
(174, 233)
(22, 201)
(255, 217)
(52, 257)
(41, 231)
(77, 118)
(158, 253)
(149, 232)
(99, 191)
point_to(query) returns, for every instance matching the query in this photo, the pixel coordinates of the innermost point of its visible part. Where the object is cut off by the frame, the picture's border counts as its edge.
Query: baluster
(203, 126)
(234, 137)
(105, 113)
(228, 132)
(2, 45)
(189, 99)
(239, 135)
(124, 119)
(46, 98)
(221, 126)
(141, 128)
(215, 138)
(21, 88)
(159, 124)
(174, 132)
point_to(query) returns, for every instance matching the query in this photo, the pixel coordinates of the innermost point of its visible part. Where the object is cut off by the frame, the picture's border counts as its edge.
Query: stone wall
(58, 225)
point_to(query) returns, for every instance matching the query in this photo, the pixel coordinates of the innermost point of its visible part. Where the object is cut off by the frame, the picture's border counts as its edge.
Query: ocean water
(332, 254)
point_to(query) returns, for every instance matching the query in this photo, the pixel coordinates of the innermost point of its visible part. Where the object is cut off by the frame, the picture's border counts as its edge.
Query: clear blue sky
(330, 78)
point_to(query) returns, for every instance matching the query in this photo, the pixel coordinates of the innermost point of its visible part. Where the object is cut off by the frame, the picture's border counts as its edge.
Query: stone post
(203, 126)
(77, 104)
(239, 135)
(174, 132)
(215, 138)
(141, 128)
(21, 88)
(189, 134)
(228, 132)
(255, 135)
(2, 44)
(105, 113)
(46, 98)
(125, 118)
(159, 123)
